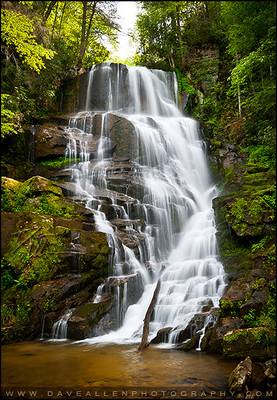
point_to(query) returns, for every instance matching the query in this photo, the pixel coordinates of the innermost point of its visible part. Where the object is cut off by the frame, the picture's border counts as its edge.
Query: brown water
(54, 366)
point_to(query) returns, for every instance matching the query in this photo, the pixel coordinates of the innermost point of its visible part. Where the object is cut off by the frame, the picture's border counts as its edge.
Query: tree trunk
(89, 25)
(85, 29)
(144, 340)
(83, 34)
(61, 21)
(55, 20)
(48, 11)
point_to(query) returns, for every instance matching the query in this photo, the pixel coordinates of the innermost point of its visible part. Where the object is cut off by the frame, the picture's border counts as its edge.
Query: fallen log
(144, 340)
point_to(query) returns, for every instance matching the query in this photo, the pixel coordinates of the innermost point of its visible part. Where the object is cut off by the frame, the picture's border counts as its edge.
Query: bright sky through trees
(127, 11)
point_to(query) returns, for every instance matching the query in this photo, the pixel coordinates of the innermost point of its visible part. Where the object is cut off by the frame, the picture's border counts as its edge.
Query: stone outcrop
(252, 379)
(85, 317)
(50, 141)
(245, 223)
(53, 260)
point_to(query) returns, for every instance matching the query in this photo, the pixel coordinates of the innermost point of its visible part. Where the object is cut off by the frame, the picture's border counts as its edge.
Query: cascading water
(168, 161)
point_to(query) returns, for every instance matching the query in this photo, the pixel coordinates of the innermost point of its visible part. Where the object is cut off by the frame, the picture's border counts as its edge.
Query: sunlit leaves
(18, 31)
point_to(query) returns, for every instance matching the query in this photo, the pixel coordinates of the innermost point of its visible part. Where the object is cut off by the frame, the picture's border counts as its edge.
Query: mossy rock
(85, 317)
(255, 342)
(37, 194)
(10, 184)
(38, 184)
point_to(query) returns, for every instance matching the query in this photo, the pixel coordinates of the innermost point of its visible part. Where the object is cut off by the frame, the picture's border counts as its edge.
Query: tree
(18, 36)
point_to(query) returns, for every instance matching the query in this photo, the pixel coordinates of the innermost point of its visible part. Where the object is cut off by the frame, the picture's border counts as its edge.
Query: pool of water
(57, 366)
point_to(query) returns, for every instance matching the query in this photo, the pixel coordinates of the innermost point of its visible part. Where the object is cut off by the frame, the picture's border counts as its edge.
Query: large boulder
(84, 318)
(240, 377)
(212, 342)
(50, 141)
(255, 342)
(250, 379)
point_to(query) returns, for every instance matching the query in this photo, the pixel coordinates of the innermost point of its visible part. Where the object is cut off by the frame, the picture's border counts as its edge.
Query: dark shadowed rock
(162, 335)
(50, 141)
(83, 319)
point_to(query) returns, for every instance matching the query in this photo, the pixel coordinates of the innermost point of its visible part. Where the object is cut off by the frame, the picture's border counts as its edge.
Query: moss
(258, 284)
(38, 195)
(34, 251)
(229, 307)
(92, 312)
(248, 215)
(38, 184)
(259, 335)
(50, 204)
(57, 163)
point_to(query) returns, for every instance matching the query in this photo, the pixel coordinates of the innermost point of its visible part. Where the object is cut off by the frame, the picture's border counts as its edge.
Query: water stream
(65, 367)
(167, 160)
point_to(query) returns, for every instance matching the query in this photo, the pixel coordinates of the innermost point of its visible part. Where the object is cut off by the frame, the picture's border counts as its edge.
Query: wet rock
(109, 211)
(50, 141)
(162, 335)
(68, 188)
(83, 319)
(207, 307)
(131, 240)
(240, 376)
(191, 330)
(258, 374)
(213, 339)
(189, 344)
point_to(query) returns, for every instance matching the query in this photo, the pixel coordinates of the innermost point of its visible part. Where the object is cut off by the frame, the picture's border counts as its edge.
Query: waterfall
(59, 329)
(167, 158)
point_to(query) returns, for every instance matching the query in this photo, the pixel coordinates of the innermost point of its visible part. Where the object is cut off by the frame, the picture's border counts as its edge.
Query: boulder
(50, 141)
(213, 339)
(38, 185)
(162, 335)
(255, 342)
(240, 376)
(189, 344)
(83, 319)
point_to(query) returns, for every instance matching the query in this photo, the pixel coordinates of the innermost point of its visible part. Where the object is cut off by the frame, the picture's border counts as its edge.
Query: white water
(177, 203)
(59, 330)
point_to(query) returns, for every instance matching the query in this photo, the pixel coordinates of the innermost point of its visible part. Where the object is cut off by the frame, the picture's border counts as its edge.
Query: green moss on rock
(255, 342)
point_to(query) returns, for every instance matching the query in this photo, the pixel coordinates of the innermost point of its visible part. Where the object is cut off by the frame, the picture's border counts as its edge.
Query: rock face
(53, 260)
(256, 342)
(246, 236)
(50, 141)
(84, 318)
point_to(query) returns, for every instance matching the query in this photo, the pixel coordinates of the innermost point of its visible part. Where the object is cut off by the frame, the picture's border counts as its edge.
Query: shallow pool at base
(46, 364)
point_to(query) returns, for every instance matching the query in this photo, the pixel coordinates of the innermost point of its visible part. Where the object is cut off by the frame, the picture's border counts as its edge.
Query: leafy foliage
(18, 32)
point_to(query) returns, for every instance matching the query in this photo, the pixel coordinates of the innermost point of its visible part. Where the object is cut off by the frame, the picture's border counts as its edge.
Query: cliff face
(244, 215)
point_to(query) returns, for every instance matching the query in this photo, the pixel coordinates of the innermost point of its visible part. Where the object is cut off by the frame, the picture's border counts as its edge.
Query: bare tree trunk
(61, 21)
(48, 11)
(89, 25)
(144, 340)
(85, 29)
(83, 34)
(55, 20)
